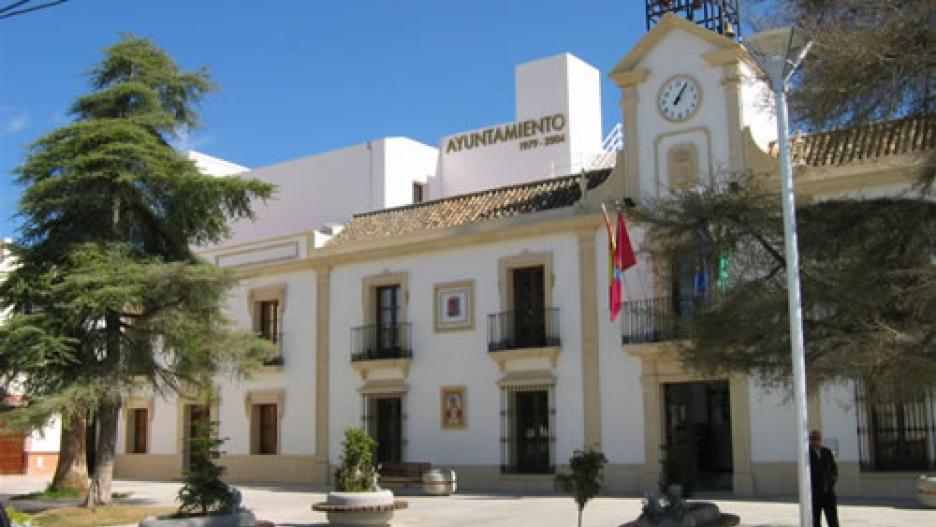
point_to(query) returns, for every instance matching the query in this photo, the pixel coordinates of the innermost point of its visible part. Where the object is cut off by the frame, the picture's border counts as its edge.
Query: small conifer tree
(204, 491)
(584, 482)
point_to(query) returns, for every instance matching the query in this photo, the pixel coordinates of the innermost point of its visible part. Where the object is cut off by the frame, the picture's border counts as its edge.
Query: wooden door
(529, 302)
(12, 457)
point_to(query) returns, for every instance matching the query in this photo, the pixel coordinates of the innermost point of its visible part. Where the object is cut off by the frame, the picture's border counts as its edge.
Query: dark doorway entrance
(531, 431)
(385, 416)
(698, 432)
(197, 419)
(528, 302)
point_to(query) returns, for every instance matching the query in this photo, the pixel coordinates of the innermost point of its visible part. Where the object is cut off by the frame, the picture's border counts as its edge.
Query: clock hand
(680, 94)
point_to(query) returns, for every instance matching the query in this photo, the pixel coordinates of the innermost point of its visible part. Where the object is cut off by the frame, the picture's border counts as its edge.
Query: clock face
(679, 98)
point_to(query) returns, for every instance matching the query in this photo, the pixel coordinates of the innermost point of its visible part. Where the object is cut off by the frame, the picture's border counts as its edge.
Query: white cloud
(12, 120)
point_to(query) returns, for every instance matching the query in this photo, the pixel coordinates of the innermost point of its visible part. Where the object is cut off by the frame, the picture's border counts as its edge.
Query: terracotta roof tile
(464, 209)
(838, 147)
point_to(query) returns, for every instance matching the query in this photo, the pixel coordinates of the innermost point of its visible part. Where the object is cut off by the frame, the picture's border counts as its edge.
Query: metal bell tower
(720, 16)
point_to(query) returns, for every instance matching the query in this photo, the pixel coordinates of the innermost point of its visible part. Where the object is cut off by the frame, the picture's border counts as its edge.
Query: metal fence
(656, 319)
(528, 328)
(896, 436)
(381, 341)
(528, 442)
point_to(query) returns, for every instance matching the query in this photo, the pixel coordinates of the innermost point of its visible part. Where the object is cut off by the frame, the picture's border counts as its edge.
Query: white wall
(839, 419)
(330, 187)
(46, 439)
(561, 84)
(773, 436)
(680, 53)
(455, 358)
(406, 162)
(214, 166)
(622, 414)
(163, 433)
(296, 379)
(585, 130)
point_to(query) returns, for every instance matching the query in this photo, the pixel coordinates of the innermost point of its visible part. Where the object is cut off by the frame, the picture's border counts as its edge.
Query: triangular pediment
(658, 34)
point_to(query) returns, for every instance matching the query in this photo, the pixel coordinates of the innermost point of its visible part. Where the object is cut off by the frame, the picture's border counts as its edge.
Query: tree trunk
(100, 492)
(580, 517)
(71, 473)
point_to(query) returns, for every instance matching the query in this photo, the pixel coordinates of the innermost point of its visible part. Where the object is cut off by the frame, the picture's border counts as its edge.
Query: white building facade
(452, 299)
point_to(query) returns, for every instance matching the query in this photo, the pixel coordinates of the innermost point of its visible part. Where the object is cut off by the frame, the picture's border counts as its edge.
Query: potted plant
(205, 500)
(357, 500)
(584, 481)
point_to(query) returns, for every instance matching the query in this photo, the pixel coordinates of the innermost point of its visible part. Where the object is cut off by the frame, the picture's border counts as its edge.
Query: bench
(403, 473)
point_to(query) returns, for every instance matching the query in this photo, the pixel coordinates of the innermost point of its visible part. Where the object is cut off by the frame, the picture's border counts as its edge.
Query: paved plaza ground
(289, 506)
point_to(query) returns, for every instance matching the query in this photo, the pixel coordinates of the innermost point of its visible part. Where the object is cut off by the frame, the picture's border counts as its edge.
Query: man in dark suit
(823, 474)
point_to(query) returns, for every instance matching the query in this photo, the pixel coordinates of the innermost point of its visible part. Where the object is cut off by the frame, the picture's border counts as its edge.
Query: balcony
(381, 341)
(529, 328)
(656, 319)
(277, 339)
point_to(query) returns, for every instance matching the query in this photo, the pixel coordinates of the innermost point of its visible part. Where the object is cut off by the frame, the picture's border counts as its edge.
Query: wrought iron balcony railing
(528, 328)
(277, 339)
(381, 341)
(656, 319)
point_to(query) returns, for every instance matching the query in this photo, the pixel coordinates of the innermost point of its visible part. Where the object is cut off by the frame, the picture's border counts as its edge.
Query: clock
(679, 98)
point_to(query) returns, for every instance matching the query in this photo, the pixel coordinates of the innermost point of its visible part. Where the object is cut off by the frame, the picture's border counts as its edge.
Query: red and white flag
(620, 258)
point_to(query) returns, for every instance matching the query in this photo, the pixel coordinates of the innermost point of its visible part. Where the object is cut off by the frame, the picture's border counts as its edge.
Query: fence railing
(277, 339)
(896, 436)
(381, 341)
(528, 328)
(656, 319)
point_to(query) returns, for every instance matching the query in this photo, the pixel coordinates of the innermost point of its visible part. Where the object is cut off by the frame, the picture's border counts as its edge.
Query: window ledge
(655, 350)
(269, 368)
(364, 367)
(894, 474)
(543, 477)
(502, 357)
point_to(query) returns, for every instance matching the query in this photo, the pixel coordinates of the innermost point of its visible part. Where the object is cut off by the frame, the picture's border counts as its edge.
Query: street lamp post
(778, 52)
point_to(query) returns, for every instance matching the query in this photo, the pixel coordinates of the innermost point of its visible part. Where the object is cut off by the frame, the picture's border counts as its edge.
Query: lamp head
(778, 51)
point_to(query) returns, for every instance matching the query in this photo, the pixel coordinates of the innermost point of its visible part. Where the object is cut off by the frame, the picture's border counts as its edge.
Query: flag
(620, 258)
(614, 285)
(625, 250)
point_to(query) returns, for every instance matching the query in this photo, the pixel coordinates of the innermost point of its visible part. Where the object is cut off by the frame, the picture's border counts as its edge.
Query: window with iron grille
(528, 430)
(384, 418)
(896, 436)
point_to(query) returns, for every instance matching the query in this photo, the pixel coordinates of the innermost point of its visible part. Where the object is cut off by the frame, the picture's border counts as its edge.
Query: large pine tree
(107, 291)
(868, 284)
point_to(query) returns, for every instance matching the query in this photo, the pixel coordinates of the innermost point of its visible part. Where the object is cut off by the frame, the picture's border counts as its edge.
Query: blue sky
(300, 77)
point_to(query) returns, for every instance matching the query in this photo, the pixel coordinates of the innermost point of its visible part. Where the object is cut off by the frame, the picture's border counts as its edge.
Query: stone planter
(359, 509)
(926, 491)
(243, 518)
(439, 482)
